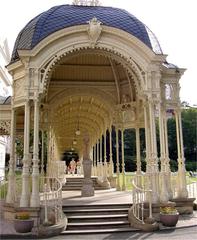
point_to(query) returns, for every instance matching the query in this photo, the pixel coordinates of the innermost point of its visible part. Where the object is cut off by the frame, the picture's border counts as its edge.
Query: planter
(169, 220)
(23, 226)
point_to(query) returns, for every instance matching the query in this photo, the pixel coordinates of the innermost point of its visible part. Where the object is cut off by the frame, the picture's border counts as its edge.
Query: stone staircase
(75, 184)
(97, 218)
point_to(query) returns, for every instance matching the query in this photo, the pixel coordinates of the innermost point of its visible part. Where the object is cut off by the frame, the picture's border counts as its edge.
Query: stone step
(97, 206)
(96, 218)
(94, 231)
(95, 225)
(98, 211)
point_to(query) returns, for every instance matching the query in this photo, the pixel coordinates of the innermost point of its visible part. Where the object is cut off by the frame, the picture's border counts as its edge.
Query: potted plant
(169, 216)
(23, 223)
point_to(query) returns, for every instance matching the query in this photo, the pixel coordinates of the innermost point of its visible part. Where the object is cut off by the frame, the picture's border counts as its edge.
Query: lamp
(74, 142)
(77, 132)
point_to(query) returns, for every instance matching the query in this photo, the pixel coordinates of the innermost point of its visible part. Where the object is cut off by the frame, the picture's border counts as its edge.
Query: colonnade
(27, 198)
(103, 161)
(105, 169)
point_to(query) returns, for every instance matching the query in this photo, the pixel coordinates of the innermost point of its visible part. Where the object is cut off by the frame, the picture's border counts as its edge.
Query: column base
(35, 201)
(24, 201)
(87, 188)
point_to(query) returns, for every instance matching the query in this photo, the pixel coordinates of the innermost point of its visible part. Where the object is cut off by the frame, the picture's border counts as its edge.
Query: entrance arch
(110, 76)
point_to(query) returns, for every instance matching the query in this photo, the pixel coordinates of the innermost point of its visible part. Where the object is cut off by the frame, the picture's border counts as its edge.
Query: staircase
(75, 184)
(97, 218)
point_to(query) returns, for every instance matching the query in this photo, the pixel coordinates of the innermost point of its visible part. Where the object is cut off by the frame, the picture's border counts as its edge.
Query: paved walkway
(101, 196)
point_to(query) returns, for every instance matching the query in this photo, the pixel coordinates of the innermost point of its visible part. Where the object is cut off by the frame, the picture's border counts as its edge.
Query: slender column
(105, 154)
(101, 156)
(117, 162)
(87, 188)
(105, 166)
(167, 160)
(24, 201)
(11, 175)
(97, 159)
(182, 187)
(123, 161)
(164, 191)
(147, 137)
(111, 153)
(153, 157)
(35, 199)
(42, 155)
(138, 157)
(137, 132)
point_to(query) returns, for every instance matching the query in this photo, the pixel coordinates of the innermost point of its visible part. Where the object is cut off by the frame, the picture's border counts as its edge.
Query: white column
(123, 161)
(182, 185)
(153, 163)
(10, 197)
(105, 166)
(118, 187)
(42, 154)
(95, 161)
(163, 191)
(25, 195)
(167, 160)
(101, 156)
(105, 155)
(138, 157)
(137, 135)
(35, 198)
(97, 158)
(111, 153)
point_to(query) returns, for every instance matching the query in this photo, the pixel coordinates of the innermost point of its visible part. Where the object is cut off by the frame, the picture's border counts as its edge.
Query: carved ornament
(94, 31)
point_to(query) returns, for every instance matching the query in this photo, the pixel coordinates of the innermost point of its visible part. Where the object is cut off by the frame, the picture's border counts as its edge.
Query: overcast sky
(172, 21)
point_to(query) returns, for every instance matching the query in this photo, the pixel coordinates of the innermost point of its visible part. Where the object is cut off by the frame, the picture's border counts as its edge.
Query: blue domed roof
(64, 16)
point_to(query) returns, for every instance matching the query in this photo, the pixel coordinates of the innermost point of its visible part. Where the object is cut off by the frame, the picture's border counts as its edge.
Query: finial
(86, 2)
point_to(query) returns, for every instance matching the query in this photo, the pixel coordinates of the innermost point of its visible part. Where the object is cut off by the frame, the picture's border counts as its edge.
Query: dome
(63, 16)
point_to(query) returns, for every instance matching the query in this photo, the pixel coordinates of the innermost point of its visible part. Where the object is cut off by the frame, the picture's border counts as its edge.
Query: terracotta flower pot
(169, 220)
(23, 226)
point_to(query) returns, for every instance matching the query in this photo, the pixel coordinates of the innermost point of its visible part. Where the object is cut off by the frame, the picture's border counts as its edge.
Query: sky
(172, 21)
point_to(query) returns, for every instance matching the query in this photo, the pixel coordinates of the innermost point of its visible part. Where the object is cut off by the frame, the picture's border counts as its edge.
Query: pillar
(138, 157)
(25, 195)
(105, 166)
(123, 161)
(137, 135)
(182, 185)
(118, 187)
(111, 164)
(152, 163)
(87, 188)
(163, 191)
(95, 161)
(101, 157)
(97, 158)
(42, 154)
(167, 160)
(35, 198)
(10, 197)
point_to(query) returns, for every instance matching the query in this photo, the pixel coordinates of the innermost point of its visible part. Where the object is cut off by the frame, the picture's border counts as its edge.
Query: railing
(3, 189)
(51, 197)
(17, 188)
(191, 186)
(56, 169)
(192, 190)
(140, 196)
